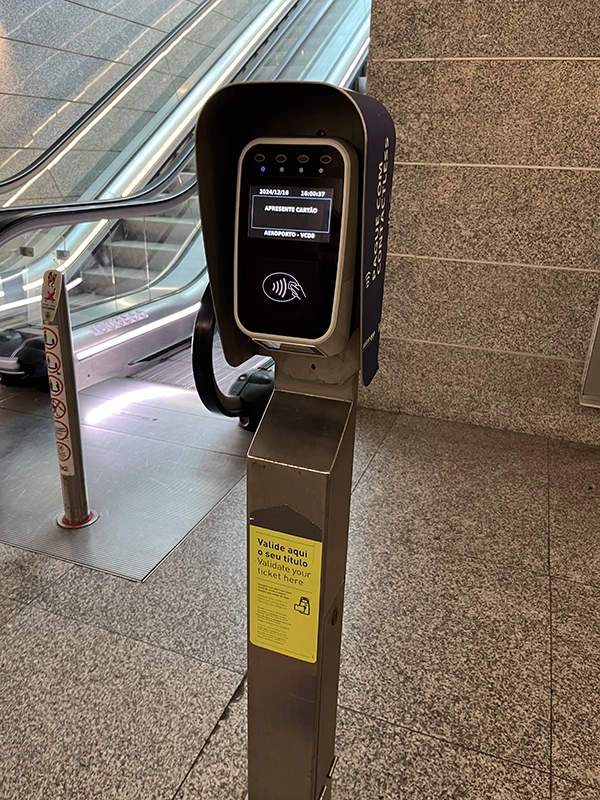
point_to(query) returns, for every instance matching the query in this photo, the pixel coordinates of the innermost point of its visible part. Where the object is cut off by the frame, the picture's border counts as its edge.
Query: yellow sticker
(285, 582)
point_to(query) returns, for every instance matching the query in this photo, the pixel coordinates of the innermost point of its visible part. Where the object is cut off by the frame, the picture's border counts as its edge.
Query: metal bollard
(58, 342)
(307, 290)
(299, 485)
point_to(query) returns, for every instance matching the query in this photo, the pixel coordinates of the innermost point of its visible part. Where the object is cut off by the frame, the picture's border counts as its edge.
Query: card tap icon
(303, 607)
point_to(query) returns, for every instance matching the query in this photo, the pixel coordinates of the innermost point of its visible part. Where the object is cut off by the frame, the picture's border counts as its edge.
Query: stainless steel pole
(299, 485)
(58, 341)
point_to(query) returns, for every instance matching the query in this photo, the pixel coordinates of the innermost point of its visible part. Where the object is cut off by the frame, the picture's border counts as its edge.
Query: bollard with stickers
(58, 342)
(295, 200)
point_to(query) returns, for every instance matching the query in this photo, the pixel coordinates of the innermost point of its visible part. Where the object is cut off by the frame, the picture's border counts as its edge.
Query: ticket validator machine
(295, 186)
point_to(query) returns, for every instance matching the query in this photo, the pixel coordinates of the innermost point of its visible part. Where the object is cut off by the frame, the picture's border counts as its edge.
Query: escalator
(132, 246)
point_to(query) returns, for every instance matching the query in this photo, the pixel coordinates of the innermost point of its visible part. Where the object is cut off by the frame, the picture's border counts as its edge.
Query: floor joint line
(549, 524)
(235, 697)
(449, 742)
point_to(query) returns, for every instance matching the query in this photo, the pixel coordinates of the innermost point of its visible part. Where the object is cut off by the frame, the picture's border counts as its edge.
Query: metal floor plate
(156, 463)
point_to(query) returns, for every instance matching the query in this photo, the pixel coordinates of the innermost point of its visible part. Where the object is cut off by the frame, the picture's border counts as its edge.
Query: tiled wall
(59, 56)
(494, 272)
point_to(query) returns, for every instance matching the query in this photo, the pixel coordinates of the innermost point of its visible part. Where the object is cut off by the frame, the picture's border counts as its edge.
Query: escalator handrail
(306, 35)
(151, 189)
(174, 168)
(272, 42)
(120, 208)
(25, 219)
(180, 121)
(38, 165)
(202, 362)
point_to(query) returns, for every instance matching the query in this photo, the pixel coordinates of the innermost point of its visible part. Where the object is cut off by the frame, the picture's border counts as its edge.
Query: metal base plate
(60, 520)
(153, 471)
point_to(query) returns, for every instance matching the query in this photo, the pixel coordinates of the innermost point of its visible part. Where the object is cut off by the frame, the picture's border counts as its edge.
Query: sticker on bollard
(58, 398)
(285, 581)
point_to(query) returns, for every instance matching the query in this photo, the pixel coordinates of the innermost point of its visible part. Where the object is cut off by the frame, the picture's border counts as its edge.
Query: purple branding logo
(283, 287)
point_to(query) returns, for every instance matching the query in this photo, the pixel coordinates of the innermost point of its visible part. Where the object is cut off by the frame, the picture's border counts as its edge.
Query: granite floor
(471, 648)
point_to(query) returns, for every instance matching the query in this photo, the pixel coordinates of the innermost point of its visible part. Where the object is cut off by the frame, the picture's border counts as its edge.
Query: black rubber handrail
(202, 363)
(151, 189)
(101, 209)
(23, 219)
(267, 48)
(308, 31)
(36, 166)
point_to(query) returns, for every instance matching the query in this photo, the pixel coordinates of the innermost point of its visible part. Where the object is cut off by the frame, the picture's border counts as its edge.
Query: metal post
(58, 341)
(299, 485)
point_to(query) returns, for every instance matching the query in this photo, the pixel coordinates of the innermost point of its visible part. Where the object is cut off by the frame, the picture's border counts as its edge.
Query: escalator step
(137, 255)
(159, 229)
(119, 279)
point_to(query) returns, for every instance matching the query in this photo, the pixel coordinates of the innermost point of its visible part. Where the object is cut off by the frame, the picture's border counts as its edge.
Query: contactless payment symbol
(303, 606)
(283, 287)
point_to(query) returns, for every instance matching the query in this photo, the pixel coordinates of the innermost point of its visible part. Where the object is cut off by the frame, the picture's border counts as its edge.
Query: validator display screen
(290, 213)
(290, 203)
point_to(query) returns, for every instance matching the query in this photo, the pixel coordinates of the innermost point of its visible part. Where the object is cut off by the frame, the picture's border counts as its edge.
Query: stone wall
(493, 275)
